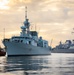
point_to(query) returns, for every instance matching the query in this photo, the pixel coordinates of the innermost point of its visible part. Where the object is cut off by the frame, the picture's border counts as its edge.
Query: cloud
(3, 4)
(55, 18)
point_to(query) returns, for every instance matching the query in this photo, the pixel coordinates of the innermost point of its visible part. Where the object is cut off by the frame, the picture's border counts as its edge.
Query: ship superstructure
(27, 43)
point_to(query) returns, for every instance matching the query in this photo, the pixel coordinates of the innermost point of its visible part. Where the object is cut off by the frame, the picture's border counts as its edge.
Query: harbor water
(54, 64)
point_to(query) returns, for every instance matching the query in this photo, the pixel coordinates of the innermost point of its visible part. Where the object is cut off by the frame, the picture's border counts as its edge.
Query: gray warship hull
(63, 51)
(20, 49)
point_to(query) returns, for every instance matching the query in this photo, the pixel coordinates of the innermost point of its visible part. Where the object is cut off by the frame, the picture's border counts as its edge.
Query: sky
(53, 19)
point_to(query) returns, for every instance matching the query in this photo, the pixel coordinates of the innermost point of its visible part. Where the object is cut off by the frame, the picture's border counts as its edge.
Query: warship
(67, 47)
(27, 43)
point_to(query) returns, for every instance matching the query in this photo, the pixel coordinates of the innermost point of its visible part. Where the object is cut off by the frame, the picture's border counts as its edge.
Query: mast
(26, 12)
(26, 23)
(4, 33)
(51, 42)
(25, 28)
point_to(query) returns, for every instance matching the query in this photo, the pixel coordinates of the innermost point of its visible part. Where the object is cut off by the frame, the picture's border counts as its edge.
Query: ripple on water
(55, 64)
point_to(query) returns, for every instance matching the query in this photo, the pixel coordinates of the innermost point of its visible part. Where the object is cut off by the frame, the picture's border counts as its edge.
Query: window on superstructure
(29, 42)
(21, 40)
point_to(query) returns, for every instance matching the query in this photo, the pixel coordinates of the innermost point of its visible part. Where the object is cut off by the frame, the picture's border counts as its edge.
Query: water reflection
(2, 64)
(56, 64)
(26, 64)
